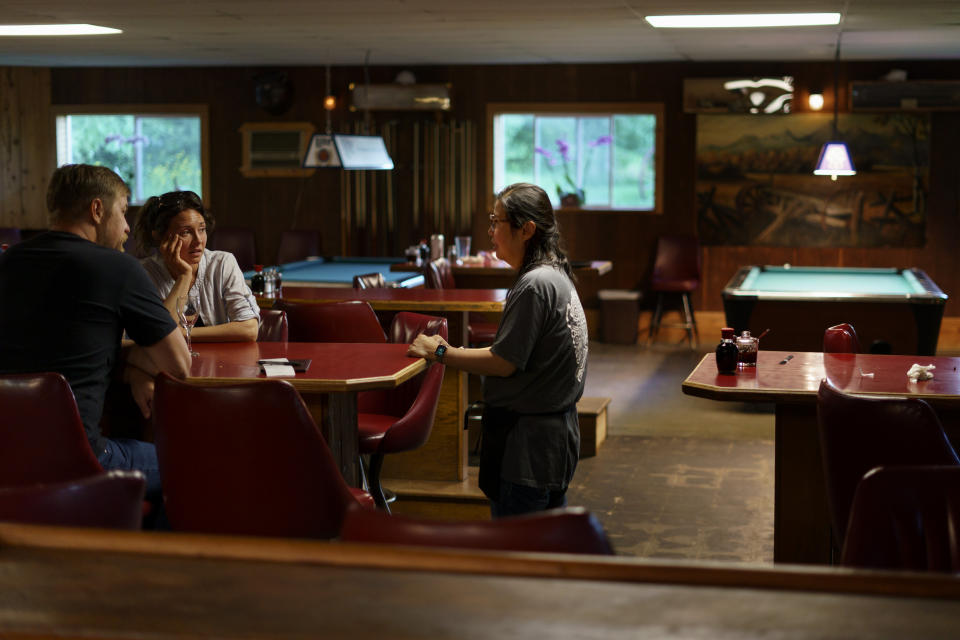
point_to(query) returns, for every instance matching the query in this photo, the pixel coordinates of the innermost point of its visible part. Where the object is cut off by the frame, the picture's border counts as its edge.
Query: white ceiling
(412, 32)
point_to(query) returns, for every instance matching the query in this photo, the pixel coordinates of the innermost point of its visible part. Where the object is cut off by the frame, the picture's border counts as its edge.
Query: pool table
(892, 310)
(339, 272)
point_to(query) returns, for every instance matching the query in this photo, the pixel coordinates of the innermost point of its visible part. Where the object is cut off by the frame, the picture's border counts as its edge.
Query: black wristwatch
(440, 352)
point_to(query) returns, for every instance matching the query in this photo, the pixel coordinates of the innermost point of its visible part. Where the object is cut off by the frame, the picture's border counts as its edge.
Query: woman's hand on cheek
(170, 250)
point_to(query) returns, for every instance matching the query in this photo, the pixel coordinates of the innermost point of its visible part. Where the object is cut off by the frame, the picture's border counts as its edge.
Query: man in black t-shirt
(69, 294)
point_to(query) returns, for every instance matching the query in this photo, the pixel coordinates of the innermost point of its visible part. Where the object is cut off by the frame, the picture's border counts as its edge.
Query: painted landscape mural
(755, 182)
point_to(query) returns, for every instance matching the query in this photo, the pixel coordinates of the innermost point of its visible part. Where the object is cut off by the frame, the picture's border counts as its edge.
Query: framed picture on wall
(755, 182)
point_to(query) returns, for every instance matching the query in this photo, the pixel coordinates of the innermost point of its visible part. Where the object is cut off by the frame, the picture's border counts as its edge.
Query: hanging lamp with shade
(835, 157)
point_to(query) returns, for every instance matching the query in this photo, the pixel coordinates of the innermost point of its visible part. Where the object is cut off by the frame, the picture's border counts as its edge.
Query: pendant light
(835, 157)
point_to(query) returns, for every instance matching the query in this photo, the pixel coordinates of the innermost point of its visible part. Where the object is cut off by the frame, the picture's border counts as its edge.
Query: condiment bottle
(256, 282)
(727, 353)
(747, 347)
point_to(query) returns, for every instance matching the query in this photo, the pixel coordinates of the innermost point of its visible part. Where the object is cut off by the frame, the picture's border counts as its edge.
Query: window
(596, 156)
(154, 149)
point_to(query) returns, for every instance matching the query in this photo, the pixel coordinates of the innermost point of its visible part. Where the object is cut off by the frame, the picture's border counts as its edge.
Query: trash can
(619, 315)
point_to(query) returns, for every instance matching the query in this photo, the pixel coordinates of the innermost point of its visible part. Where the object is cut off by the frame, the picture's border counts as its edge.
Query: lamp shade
(835, 161)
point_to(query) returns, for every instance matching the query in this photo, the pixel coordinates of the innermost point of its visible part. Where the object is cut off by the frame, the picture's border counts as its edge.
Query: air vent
(930, 95)
(274, 149)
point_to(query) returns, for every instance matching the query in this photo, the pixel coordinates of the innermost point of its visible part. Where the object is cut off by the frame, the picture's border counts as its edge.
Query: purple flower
(601, 140)
(551, 161)
(564, 149)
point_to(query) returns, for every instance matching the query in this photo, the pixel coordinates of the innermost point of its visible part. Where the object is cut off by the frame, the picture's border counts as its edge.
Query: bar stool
(676, 271)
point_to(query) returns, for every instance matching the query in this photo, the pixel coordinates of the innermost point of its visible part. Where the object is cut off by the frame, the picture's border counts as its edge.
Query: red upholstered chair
(369, 281)
(108, 500)
(858, 433)
(840, 338)
(906, 518)
(346, 321)
(273, 326)
(396, 420)
(240, 242)
(676, 270)
(298, 245)
(439, 275)
(41, 436)
(246, 459)
(570, 530)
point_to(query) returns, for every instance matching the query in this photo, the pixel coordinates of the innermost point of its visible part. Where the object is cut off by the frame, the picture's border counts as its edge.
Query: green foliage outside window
(153, 154)
(606, 160)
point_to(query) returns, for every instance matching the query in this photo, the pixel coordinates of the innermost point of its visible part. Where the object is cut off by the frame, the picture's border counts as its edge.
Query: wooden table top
(118, 584)
(334, 367)
(799, 378)
(396, 299)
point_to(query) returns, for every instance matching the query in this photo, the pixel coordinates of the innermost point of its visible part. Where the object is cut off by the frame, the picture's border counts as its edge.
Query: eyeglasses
(494, 220)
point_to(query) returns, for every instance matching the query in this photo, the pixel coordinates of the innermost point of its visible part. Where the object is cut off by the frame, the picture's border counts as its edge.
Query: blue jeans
(129, 454)
(517, 499)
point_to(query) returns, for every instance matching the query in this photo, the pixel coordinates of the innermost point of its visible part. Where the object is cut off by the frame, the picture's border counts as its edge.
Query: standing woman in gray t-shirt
(535, 369)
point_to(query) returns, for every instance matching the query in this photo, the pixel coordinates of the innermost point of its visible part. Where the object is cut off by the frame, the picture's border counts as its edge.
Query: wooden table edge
(494, 306)
(325, 385)
(496, 563)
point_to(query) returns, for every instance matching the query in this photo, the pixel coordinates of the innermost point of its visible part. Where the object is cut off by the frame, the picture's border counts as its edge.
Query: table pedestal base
(328, 411)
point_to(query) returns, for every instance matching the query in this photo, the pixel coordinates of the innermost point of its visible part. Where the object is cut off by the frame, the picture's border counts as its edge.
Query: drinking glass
(463, 247)
(188, 308)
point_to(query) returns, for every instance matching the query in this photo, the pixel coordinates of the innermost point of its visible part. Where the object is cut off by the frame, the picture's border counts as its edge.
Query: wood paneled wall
(27, 146)
(269, 205)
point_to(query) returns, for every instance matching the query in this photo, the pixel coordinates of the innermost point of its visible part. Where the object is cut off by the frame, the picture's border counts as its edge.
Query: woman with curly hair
(174, 228)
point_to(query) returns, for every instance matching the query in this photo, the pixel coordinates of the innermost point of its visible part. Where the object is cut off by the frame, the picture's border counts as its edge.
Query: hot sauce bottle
(257, 281)
(727, 352)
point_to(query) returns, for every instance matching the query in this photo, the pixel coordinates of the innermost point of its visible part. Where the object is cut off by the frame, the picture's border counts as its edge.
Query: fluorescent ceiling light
(55, 30)
(731, 20)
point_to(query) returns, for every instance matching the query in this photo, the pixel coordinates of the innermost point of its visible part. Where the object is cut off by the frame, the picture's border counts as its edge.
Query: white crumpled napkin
(277, 368)
(920, 372)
